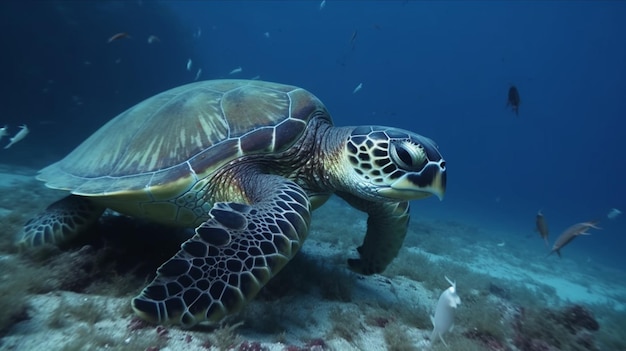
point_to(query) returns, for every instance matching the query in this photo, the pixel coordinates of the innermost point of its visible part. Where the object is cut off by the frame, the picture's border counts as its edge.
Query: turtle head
(392, 163)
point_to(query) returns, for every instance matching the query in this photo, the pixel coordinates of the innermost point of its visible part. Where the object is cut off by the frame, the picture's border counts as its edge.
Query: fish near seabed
(18, 136)
(513, 99)
(542, 227)
(570, 234)
(443, 320)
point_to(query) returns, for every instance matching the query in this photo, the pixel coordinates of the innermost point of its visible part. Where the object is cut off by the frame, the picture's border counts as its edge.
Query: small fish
(542, 227)
(322, 5)
(613, 213)
(236, 70)
(256, 77)
(570, 234)
(19, 136)
(189, 63)
(358, 87)
(353, 38)
(153, 39)
(198, 33)
(118, 36)
(266, 34)
(3, 131)
(198, 74)
(513, 99)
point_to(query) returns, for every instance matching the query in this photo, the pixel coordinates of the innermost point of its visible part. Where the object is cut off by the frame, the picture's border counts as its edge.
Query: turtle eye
(407, 155)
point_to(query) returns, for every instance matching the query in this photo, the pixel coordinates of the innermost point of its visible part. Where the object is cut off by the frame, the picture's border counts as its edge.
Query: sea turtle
(244, 162)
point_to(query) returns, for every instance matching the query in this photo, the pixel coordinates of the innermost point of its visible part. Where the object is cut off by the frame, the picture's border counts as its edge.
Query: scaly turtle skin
(244, 163)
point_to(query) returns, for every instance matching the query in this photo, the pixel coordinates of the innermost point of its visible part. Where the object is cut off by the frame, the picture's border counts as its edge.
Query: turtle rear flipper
(231, 257)
(59, 223)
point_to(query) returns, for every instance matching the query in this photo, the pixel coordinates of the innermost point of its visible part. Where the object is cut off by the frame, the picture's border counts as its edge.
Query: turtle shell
(172, 139)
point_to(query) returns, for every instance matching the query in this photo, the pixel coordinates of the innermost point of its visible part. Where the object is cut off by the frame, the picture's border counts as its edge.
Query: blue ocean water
(441, 69)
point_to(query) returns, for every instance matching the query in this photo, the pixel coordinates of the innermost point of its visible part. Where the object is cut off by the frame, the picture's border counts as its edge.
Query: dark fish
(513, 99)
(118, 36)
(542, 227)
(570, 234)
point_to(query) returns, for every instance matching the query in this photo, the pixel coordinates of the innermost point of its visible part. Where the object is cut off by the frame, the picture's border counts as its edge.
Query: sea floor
(513, 297)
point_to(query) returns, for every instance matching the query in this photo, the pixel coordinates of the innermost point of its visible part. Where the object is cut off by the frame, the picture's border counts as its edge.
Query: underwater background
(441, 69)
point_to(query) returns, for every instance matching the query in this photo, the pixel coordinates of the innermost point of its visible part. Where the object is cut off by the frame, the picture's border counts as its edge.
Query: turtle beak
(438, 186)
(430, 181)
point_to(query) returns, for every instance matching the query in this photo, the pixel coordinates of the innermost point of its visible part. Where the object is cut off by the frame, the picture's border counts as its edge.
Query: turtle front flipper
(387, 225)
(59, 223)
(231, 256)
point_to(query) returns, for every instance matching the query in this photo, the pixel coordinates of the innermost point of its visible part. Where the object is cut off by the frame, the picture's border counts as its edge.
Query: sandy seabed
(316, 303)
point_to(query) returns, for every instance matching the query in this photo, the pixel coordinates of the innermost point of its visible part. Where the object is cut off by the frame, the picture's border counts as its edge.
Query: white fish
(19, 136)
(189, 63)
(322, 5)
(613, 213)
(358, 87)
(198, 74)
(256, 77)
(3, 131)
(266, 34)
(153, 39)
(443, 320)
(198, 33)
(236, 70)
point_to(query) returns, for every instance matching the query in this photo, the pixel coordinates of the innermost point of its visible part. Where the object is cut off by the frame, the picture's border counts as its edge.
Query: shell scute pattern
(261, 139)
(167, 142)
(253, 109)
